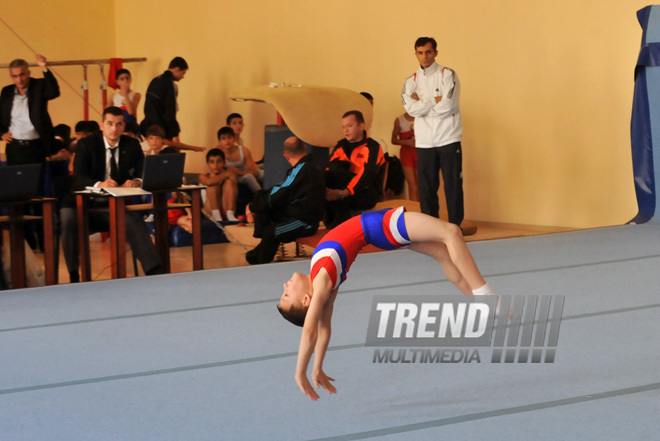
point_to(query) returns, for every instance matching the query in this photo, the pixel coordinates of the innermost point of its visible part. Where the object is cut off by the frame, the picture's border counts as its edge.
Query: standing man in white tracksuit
(431, 95)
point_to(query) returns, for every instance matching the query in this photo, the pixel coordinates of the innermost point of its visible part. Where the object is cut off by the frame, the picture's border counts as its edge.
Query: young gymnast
(125, 98)
(221, 187)
(308, 300)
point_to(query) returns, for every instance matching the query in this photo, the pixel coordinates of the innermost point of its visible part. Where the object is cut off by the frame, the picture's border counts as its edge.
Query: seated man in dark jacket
(108, 159)
(289, 210)
(354, 174)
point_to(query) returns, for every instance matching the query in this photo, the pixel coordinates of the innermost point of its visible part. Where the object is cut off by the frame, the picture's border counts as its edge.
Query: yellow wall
(67, 30)
(546, 86)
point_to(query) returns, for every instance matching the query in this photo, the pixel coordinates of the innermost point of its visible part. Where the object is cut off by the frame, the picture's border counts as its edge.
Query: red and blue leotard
(338, 249)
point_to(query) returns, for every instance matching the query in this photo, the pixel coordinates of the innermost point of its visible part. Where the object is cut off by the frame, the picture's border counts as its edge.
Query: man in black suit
(24, 121)
(26, 127)
(108, 159)
(160, 105)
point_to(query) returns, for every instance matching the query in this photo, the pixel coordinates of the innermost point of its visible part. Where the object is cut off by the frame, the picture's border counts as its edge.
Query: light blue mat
(205, 356)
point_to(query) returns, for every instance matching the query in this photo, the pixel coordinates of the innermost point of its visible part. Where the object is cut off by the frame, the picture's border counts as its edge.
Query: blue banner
(645, 121)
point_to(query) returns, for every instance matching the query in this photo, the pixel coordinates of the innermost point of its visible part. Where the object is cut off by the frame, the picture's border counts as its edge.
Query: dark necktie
(114, 171)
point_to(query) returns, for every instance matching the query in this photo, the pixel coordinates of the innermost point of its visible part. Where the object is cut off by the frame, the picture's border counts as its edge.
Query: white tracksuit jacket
(438, 124)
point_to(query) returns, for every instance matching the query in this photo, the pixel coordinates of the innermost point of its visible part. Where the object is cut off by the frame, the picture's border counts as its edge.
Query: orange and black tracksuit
(356, 166)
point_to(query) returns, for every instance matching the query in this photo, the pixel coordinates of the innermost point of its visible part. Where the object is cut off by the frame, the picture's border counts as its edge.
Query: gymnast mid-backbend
(308, 300)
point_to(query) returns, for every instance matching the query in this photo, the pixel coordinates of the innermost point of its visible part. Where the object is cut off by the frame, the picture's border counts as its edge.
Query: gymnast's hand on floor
(306, 387)
(320, 378)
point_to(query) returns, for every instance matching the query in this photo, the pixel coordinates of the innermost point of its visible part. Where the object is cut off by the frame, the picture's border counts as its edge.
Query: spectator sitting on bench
(289, 210)
(239, 159)
(222, 190)
(354, 175)
(155, 138)
(235, 121)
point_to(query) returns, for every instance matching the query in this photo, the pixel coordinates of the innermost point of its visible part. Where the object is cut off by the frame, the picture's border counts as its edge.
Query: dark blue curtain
(646, 105)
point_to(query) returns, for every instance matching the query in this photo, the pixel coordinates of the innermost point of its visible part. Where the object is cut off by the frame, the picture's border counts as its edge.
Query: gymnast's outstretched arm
(316, 336)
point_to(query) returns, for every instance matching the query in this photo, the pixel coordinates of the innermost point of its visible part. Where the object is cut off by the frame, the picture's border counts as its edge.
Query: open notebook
(119, 191)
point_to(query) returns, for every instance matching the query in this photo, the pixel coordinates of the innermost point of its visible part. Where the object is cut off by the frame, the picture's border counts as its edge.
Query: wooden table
(16, 219)
(117, 209)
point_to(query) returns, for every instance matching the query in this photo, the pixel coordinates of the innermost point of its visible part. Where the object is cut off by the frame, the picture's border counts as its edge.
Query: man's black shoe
(253, 255)
(261, 254)
(153, 271)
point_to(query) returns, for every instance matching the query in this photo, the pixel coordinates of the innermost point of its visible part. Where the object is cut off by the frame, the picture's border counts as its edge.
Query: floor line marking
(257, 359)
(491, 414)
(257, 302)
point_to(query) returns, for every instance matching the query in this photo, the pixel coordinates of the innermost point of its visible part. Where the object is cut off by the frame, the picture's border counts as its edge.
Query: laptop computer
(163, 172)
(19, 182)
(159, 172)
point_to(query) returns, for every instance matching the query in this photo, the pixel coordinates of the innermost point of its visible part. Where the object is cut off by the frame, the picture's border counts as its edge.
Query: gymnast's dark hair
(295, 315)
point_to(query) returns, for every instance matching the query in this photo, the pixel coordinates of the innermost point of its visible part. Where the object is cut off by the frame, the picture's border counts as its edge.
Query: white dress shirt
(20, 125)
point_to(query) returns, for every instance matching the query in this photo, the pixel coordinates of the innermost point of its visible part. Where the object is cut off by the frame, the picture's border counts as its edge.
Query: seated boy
(235, 121)
(222, 190)
(155, 141)
(179, 217)
(308, 300)
(84, 129)
(155, 138)
(239, 160)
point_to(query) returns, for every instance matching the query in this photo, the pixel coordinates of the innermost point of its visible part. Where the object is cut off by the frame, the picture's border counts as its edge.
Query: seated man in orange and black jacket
(353, 174)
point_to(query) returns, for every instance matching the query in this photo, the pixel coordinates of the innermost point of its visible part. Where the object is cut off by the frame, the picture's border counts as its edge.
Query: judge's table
(117, 208)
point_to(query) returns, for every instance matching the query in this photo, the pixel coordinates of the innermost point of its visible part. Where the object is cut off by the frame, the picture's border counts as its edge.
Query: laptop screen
(19, 182)
(163, 172)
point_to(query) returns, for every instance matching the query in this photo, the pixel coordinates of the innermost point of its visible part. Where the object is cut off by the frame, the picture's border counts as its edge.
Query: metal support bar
(84, 86)
(104, 88)
(81, 62)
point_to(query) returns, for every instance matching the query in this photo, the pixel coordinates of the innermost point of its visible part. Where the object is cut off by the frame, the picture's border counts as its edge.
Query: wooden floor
(228, 255)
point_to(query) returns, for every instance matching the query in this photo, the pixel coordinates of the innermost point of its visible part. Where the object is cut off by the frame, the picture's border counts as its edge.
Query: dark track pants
(449, 160)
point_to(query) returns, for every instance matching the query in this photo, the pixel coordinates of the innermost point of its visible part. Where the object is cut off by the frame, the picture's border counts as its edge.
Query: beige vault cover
(312, 113)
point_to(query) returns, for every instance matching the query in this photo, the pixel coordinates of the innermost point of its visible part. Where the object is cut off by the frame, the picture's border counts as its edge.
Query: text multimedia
(438, 355)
